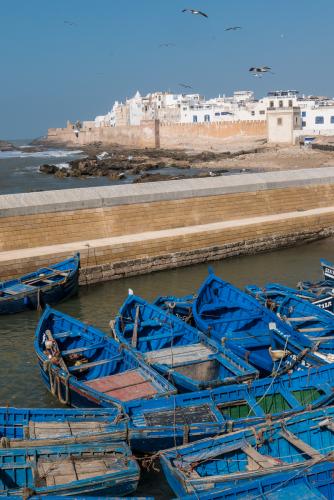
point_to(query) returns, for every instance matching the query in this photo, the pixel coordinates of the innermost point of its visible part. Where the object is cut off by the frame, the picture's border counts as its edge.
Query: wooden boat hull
(69, 470)
(104, 375)
(26, 297)
(316, 483)
(178, 351)
(293, 445)
(25, 427)
(185, 418)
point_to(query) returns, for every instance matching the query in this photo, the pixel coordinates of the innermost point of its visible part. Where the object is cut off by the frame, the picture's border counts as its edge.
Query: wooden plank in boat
(259, 461)
(181, 416)
(301, 445)
(315, 329)
(179, 354)
(302, 318)
(18, 288)
(125, 386)
(45, 430)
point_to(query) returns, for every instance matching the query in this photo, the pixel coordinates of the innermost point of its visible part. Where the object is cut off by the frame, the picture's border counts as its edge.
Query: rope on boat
(27, 493)
(5, 442)
(55, 383)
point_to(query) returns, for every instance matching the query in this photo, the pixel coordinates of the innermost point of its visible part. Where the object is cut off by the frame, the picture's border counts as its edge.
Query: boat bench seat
(85, 366)
(125, 386)
(18, 288)
(78, 350)
(179, 355)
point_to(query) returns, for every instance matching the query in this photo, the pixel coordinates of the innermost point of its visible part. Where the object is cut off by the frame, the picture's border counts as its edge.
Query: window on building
(332, 119)
(206, 118)
(262, 112)
(194, 118)
(253, 113)
(271, 104)
(290, 103)
(217, 114)
(303, 124)
(280, 104)
(319, 120)
(303, 114)
(279, 121)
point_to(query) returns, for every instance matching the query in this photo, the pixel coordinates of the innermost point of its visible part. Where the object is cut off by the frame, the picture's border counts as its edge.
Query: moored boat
(166, 422)
(83, 367)
(228, 314)
(32, 427)
(179, 306)
(295, 444)
(48, 285)
(179, 352)
(93, 469)
(312, 326)
(318, 483)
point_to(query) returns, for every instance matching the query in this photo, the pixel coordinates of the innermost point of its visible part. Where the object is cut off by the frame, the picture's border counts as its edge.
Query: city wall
(154, 134)
(133, 229)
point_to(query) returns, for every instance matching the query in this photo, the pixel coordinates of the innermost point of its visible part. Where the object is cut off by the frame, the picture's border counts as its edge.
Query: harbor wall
(132, 229)
(153, 134)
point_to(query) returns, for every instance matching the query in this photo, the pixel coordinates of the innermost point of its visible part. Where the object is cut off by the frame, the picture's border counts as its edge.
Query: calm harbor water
(97, 304)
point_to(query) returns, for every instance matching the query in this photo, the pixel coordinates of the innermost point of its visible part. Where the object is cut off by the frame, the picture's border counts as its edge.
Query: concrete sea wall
(133, 229)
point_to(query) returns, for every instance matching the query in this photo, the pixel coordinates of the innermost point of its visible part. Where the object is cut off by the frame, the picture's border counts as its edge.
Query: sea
(97, 304)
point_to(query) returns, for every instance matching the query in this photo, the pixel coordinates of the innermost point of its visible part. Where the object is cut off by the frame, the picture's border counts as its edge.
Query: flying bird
(233, 28)
(184, 85)
(195, 12)
(167, 45)
(258, 71)
(70, 23)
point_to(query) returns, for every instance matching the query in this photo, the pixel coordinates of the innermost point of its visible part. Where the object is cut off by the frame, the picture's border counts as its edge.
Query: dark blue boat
(318, 483)
(293, 445)
(176, 350)
(32, 427)
(313, 326)
(179, 306)
(76, 470)
(322, 287)
(83, 367)
(267, 294)
(48, 285)
(227, 314)
(158, 424)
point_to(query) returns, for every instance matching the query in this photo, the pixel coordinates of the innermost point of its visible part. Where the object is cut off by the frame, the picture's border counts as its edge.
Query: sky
(52, 71)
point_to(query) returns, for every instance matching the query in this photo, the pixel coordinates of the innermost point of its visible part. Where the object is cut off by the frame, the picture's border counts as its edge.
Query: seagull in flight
(258, 71)
(195, 12)
(167, 45)
(185, 86)
(233, 28)
(70, 23)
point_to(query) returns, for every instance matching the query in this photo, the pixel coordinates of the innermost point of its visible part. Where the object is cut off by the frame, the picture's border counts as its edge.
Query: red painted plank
(133, 392)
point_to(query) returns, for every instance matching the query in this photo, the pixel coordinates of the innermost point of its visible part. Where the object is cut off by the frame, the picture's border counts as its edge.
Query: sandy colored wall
(183, 135)
(152, 134)
(26, 231)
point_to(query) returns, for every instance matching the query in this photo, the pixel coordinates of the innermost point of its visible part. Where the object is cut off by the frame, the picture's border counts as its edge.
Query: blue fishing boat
(273, 294)
(181, 353)
(292, 445)
(166, 422)
(317, 483)
(83, 367)
(227, 314)
(26, 427)
(179, 306)
(93, 469)
(324, 286)
(267, 294)
(48, 285)
(313, 326)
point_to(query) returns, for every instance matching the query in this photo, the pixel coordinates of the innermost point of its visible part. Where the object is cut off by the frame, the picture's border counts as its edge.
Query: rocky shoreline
(143, 165)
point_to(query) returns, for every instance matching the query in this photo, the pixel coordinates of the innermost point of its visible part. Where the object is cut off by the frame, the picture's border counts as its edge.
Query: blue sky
(51, 71)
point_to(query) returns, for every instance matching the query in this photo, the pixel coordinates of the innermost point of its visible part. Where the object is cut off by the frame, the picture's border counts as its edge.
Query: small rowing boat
(166, 422)
(225, 313)
(93, 469)
(176, 350)
(83, 367)
(48, 285)
(32, 427)
(293, 445)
